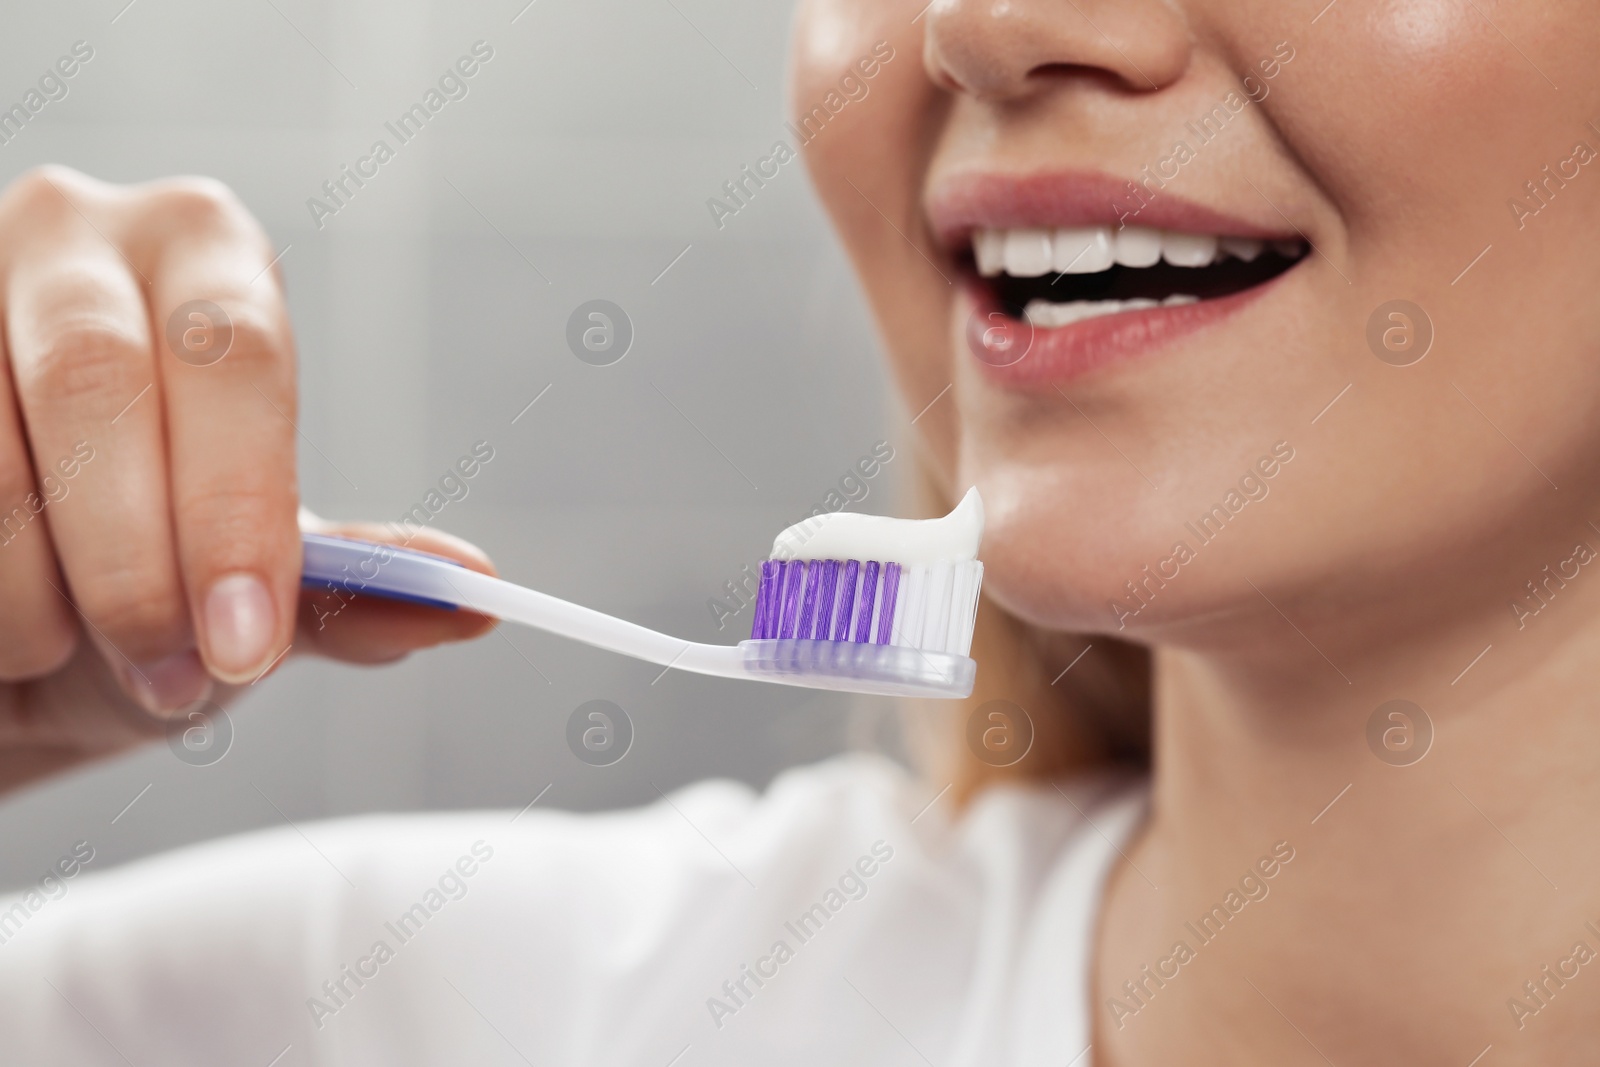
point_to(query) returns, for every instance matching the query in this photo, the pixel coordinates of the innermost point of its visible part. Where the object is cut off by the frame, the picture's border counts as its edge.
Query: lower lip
(1065, 353)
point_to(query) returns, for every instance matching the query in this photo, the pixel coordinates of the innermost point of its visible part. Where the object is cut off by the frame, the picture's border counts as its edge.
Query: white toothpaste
(909, 542)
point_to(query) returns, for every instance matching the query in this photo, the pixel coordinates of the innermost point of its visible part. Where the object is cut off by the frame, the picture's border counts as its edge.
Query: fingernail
(239, 624)
(168, 685)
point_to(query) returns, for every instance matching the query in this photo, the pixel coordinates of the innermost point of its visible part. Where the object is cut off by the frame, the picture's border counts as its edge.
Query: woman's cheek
(1421, 28)
(826, 32)
(1414, 88)
(867, 159)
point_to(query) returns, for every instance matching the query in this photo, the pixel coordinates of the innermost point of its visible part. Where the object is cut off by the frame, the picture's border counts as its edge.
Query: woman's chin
(1061, 540)
(1062, 583)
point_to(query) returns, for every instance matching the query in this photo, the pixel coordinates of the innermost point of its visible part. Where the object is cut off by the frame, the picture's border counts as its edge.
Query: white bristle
(938, 614)
(967, 597)
(937, 606)
(898, 621)
(913, 583)
(952, 620)
(959, 596)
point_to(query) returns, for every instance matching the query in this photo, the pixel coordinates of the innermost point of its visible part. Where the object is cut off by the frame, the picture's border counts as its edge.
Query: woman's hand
(149, 549)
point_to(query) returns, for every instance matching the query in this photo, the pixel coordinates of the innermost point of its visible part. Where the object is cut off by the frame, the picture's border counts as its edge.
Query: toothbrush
(896, 624)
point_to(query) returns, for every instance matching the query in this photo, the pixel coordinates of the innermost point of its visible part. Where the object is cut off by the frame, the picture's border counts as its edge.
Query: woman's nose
(1008, 49)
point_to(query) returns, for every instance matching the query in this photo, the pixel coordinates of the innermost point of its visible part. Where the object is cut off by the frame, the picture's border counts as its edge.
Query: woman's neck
(1441, 892)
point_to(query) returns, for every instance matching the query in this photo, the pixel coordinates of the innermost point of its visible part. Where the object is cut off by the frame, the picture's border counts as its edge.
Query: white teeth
(1082, 250)
(1189, 249)
(1137, 246)
(989, 246)
(1032, 252)
(1027, 253)
(1245, 248)
(1048, 316)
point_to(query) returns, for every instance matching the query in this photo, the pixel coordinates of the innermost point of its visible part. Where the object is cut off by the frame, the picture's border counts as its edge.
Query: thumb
(357, 628)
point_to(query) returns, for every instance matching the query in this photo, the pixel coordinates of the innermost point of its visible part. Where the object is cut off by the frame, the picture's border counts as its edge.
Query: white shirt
(836, 919)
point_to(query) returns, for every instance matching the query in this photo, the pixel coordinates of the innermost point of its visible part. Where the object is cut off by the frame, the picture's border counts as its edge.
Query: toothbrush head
(866, 626)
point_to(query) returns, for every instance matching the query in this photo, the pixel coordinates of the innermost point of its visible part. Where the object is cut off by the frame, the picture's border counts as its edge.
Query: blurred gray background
(430, 310)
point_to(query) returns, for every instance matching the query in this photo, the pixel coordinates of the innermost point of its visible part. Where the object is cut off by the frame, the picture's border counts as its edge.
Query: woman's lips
(1107, 269)
(957, 204)
(1014, 353)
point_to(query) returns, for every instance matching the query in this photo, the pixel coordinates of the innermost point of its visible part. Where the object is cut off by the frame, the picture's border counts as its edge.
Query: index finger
(228, 373)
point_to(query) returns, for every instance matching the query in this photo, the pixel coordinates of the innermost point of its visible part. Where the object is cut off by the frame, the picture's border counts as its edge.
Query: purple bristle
(762, 627)
(808, 605)
(891, 586)
(869, 585)
(847, 601)
(793, 574)
(826, 600)
(830, 583)
(775, 608)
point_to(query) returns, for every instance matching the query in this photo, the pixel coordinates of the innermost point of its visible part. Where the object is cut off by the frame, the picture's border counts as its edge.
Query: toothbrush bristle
(830, 585)
(891, 587)
(929, 607)
(847, 600)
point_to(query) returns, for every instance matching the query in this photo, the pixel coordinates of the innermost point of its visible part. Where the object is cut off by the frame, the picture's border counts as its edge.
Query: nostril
(1061, 73)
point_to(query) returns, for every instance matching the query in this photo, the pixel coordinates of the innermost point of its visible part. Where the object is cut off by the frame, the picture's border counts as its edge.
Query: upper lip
(960, 203)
